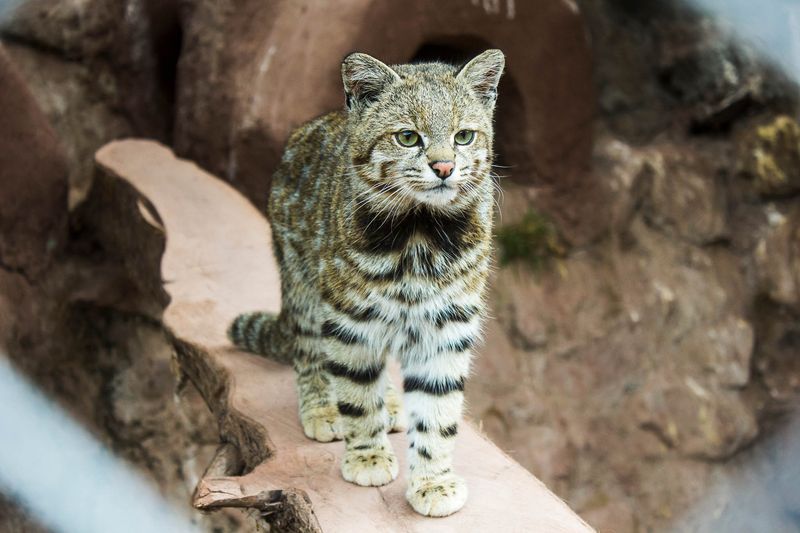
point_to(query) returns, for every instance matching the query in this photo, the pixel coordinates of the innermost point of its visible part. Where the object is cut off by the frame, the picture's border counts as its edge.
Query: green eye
(464, 137)
(407, 138)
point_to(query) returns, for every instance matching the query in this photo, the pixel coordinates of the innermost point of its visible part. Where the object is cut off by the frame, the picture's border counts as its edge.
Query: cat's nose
(443, 169)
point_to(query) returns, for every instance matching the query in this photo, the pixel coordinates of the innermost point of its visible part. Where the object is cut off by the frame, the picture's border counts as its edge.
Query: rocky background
(645, 341)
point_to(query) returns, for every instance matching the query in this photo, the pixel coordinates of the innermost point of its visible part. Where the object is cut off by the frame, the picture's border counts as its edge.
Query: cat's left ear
(364, 78)
(482, 75)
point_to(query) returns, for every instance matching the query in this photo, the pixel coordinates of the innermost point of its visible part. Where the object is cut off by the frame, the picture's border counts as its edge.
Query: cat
(382, 220)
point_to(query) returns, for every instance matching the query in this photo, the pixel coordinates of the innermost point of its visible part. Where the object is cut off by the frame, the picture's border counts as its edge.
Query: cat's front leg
(359, 379)
(434, 398)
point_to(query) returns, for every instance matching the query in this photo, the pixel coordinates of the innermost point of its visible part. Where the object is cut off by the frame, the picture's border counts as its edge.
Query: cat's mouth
(443, 186)
(440, 194)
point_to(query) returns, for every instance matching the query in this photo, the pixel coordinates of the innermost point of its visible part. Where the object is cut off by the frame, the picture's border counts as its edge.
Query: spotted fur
(380, 256)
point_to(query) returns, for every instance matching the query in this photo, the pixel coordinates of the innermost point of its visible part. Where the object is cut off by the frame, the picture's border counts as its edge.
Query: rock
(616, 516)
(110, 369)
(777, 257)
(76, 101)
(686, 195)
(533, 305)
(630, 100)
(99, 69)
(609, 317)
(715, 77)
(699, 420)
(666, 66)
(776, 359)
(77, 28)
(545, 451)
(769, 154)
(724, 350)
(497, 368)
(626, 170)
(33, 188)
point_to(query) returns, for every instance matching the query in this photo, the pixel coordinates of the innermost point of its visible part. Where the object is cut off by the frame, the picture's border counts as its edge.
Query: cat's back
(312, 159)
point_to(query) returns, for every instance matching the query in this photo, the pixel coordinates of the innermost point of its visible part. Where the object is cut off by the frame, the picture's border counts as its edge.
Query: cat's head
(422, 134)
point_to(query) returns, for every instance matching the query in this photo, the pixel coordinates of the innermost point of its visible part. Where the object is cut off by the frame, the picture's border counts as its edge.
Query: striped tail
(264, 334)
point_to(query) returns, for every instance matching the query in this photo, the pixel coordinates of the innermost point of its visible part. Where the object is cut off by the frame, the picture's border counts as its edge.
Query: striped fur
(381, 257)
(260, 333)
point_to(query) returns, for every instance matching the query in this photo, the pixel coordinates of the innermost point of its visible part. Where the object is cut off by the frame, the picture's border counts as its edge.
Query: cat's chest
(427, 326)
(407, 234)
(418, 298)
(418, 277)
(423, 282)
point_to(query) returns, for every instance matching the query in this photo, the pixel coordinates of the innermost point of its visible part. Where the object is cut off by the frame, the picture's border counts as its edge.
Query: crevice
(16, 270)
(42, 48)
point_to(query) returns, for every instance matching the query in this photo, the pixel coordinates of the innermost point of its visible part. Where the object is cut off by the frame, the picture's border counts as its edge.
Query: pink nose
(443, 169)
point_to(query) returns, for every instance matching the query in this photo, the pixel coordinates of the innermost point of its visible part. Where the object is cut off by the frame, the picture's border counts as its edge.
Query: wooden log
(218, 263)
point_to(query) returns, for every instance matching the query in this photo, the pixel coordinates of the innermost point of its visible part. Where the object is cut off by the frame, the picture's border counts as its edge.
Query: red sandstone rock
(33, 180)
(778, 256)
(686, 194)
(99, 70)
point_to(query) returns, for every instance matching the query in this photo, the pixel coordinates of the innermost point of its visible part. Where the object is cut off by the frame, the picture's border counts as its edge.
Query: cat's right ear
(364, 78)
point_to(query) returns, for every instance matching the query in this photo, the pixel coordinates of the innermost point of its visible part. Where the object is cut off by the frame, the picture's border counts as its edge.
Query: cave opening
(166, 40)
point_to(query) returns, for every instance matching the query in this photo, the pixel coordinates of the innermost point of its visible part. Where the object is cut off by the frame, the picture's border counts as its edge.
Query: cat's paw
(441, 496)
(372, 467)
(322, 424)
(394, 408)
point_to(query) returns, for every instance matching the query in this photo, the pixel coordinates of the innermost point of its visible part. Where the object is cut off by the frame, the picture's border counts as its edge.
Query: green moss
(534, 240)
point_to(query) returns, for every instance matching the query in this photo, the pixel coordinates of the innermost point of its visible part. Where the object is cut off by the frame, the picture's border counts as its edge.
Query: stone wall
(635, 370)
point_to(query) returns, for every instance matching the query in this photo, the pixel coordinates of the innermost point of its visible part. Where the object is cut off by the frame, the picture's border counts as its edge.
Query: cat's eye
(407, 138)
(464, 137)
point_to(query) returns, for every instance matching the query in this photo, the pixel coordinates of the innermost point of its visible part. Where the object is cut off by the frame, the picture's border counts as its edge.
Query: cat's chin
(438, 197)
